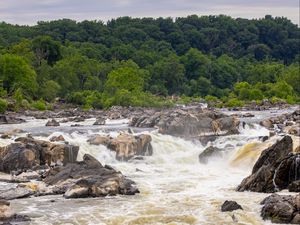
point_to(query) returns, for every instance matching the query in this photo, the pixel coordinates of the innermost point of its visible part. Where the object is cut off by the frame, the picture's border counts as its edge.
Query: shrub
(234, 102)
(3, 105)
(39, 105)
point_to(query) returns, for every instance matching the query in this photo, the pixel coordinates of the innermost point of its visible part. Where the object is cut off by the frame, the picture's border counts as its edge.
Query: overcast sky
(31, 11)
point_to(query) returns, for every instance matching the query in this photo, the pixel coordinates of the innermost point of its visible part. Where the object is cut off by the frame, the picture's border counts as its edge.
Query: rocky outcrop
(28, 153)
(192, 123)
(294, 186)
(59, 138)
(126, 146)
(52, 123)
(10, 120)
(100, 121)
(275, 169)
(7, 217)
(10, 133)
(281, 209)
(230, 206)
(89, 178)
(286, 123)
(209, 152)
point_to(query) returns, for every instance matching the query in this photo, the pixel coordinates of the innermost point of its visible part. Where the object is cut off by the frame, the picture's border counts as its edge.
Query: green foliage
(3, 105)
(39, 105)
(15, 73)
(138, 62)
(234, 102)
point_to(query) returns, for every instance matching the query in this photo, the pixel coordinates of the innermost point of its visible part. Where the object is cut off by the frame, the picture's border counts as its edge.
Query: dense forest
(140, 62)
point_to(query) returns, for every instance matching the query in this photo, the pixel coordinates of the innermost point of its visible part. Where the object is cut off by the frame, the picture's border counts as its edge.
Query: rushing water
(175, 188)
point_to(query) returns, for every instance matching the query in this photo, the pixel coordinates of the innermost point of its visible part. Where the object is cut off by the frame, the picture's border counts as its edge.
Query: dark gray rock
(281, 209)
(230, 206)
(209, 152)
(52, 123)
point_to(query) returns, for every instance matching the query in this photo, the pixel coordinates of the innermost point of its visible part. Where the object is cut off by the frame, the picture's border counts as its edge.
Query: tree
(16, 73)
(45, 48)
(50, 90)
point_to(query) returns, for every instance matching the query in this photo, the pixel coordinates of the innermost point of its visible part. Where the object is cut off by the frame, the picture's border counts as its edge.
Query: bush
(39, 105)
(234, 102)
(3, 105)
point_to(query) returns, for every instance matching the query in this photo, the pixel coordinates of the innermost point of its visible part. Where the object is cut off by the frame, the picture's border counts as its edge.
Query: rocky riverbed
(149, 166)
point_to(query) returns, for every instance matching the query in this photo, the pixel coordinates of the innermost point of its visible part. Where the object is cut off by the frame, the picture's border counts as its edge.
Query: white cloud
(31, 11)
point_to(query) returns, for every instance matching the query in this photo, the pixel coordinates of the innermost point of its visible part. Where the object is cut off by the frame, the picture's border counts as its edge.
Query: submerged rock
(230, 206)
(52, 123)
(209, 152)
(275, 169)
(89, 178)
(281, 208)
(7, 217)
(28, 153)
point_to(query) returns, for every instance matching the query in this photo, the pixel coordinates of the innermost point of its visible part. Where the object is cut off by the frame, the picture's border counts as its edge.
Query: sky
(31, 11)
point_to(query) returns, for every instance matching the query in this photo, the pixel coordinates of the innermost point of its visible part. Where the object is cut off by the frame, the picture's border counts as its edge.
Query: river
(175, 188)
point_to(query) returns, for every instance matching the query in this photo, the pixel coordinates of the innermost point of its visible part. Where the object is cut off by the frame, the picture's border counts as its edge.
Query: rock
(99, 140)
(281, 209)
(7, 217)
(230, 206)
(267, 123)
(127, 146)
(205, 139)
(294, 130)
(57, 138)
(15, 193)
(188, 123)
(100, 121)
(270, 165)
(28, 153)
(209, 152)
(89, 179)
(52, 123)
(10, 120)
(294, 186)
(263, 138)
(9, 134)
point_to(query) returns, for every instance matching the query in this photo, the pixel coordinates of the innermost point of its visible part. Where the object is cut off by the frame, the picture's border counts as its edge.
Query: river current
(175, 188)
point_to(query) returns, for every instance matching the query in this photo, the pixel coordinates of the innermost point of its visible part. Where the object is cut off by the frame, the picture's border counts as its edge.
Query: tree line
(131, 61)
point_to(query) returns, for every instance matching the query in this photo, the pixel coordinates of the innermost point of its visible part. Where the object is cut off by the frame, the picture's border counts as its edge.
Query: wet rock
(99, 140)
(15, 193)
(188, 123)
(209, 152)
(10, 120)
(9, 134)
(127, 146)
(274, 164)
(100, 121)
(52, 123)
(294, 130)
(230, 206)
(59, 138)
(209, 138)
(281, 209)
(28, 153)
(267, 123)
(263, 138)
(7, 217)
(89, 178)
(294, 186)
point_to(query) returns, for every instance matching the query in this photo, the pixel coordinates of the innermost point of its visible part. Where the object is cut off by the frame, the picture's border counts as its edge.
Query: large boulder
(10, 120)
(89, 178)
(126, 146)
(28, 153)
(281, 209)
(52, 123)
(188, 123)
(273, 169)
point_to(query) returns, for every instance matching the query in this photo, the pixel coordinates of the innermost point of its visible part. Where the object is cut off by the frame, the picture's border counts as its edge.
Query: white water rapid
(175, 188)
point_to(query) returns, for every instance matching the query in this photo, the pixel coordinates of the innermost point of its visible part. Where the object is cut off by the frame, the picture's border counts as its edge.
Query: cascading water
(175, 188)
